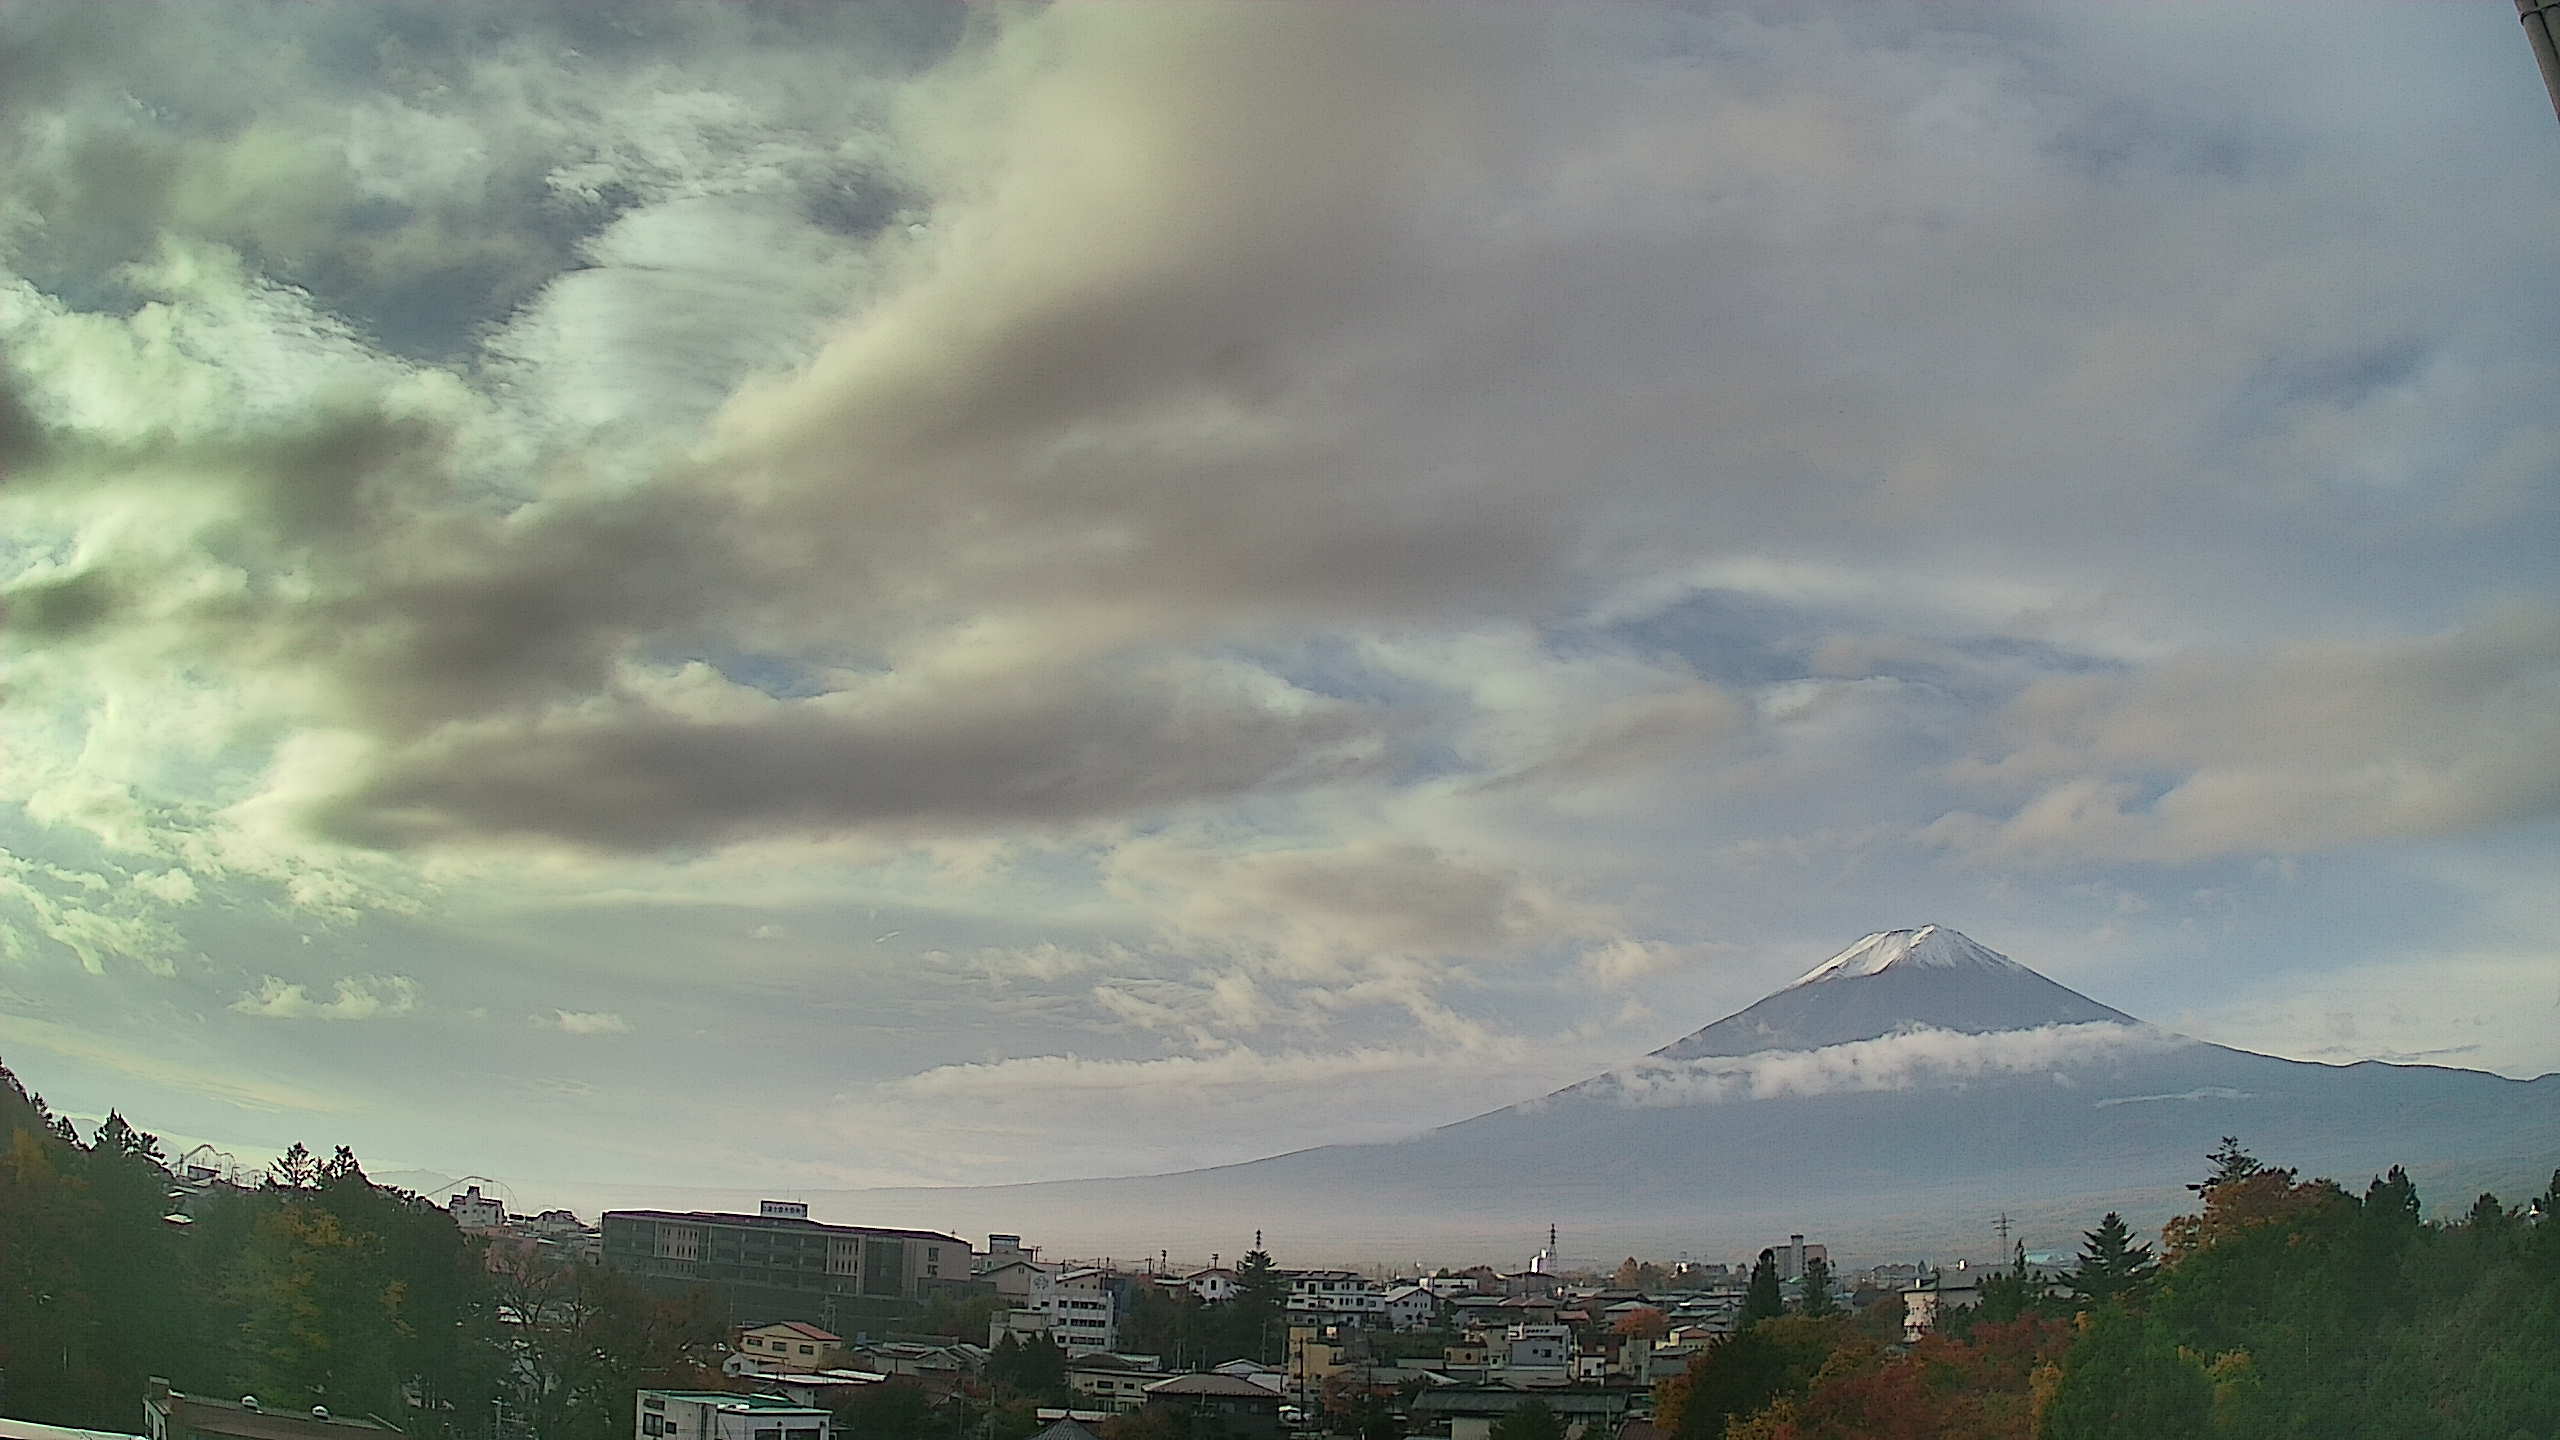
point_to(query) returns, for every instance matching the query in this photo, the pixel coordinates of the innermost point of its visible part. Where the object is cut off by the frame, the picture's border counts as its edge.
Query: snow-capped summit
(1931, 947)
(1929, 978)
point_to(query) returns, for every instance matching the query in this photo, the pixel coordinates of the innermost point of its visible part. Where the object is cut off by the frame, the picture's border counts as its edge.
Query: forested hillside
(2281, 1308)
(317, 1287)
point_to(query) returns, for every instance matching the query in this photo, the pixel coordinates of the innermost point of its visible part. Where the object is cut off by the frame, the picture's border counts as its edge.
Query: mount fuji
(1892, 1100)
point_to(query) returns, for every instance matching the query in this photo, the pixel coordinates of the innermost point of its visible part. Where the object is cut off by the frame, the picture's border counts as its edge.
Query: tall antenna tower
(2000, 1227)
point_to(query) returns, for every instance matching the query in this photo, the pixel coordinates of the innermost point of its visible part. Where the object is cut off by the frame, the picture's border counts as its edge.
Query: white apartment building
(1081, 1316)
(1538, 1347)
(1343, 1294)
(472, 1210)
(712, 1415)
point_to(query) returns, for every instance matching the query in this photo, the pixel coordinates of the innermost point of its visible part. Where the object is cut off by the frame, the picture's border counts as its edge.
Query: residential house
(1926, 1301)
(1533, 1282)
(1115, 1383)
(472, 1210)
(1022, 1324)
(784, 1345)
(1409, 1307)
(1219, 1407)
(717, 1415)
(825, 1390)
(1472, 1410)
(1536, 1354)
(1270, 1377)
(1213, 1284)
(1020, 1281)
(175, 1415)
(917, 1360)
(1070, 1427)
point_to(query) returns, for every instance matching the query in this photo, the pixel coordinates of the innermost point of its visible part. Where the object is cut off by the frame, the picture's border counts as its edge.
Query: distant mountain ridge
(1891, 1100)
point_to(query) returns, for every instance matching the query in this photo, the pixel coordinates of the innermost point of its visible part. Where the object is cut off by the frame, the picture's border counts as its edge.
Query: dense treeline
(2282, 1308)
(317, 1287)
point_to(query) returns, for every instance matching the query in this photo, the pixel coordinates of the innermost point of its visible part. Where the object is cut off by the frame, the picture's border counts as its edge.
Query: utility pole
(2000, 1227)
(2541, 19)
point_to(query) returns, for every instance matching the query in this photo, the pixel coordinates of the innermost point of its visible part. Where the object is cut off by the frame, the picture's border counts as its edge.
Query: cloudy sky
(797, 595)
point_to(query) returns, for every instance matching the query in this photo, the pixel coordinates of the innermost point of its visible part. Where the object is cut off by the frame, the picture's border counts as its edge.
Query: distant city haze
(657, 603)
(1898, 1097)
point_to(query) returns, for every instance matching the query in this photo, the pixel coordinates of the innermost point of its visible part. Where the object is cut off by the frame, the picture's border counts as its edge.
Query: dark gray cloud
(1097, 746)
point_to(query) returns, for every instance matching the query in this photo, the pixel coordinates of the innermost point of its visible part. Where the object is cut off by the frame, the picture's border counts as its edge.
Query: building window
(808, 1349)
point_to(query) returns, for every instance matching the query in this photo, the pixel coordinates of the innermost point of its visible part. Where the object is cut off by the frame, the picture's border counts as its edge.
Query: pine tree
(2392, 1200)
(341, 1169)
(1762, 1300)
(2111, 1265)
(295, 1169)
(1261, 1301)
(1818, 1299)
(2230, 1163)
(2009, 1293)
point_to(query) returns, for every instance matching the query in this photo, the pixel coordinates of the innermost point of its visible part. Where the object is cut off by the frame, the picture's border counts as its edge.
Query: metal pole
(2541, 20)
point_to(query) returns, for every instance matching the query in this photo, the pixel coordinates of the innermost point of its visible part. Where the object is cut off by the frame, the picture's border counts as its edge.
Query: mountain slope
(1892, 1100)
(1897, 979)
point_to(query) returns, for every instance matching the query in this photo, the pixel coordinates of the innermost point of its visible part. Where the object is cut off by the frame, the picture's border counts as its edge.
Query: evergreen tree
(2392, 1200)
(2230, 1163)
(1762, 1299)
(1261, 1303)
(2125, 1380)
(2111, 1265)
(294, 1169)
(1818, 1299)
(2009, 1293)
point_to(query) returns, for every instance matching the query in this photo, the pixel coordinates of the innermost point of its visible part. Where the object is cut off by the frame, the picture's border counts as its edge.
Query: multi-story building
(784, 1266)
(1322, 1296)
(472, 1210)
(1791, 1257)
(1083, 1317)
(714, 1415)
